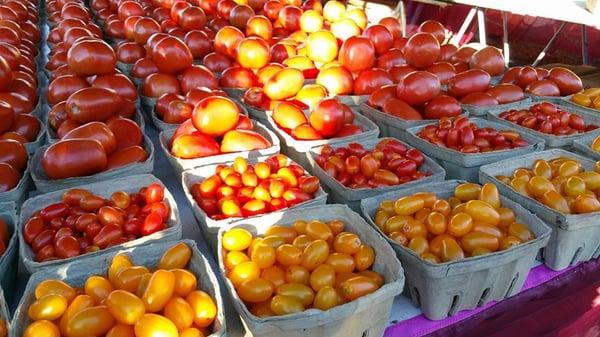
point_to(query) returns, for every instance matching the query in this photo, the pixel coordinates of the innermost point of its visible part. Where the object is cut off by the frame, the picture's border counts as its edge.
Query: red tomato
(399, 72)
(92, 57)
(380, 96)
(463, 55)
(130, 52)
(422, 50)
(506, 93)
(567, 81)
(289, 18)
(435, 28)
(399, 108)
(543, 88)
(61, 88)
(357, 53)
(172, 55)
(238, 77)
(119, 83)
(192, 18)
(155, 85)
(393, 25)
(73, 158)
(9, 177)
(479, 98)
(511, 75)
(217, 62)
(7, 116)
(443, 70)
(382, 38)
(26, 125)
(227, 39)
(14, 154)
(126, 156)
(442, 106)
(199, 43)
(66, 246)
(474, 80)
(178, 111)
(239, 16)
(126, 132)
(488, 59)
(390, 58)
(418, 87)
(369, 80)
(197, 76)
(527, 75)
(93, 104)
(143, 68)
(95, 130)
(327, 117)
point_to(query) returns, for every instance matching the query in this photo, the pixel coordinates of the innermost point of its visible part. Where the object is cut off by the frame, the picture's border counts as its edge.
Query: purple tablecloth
(421, 326)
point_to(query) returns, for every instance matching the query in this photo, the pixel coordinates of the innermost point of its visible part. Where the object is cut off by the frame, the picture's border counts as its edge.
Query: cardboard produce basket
(210, 228)
(75, 274)
(8, 260)
(481, 110)
(575, 237)
(4, 313)
(465, 166)
(39, 140)
(296, 149)
(392, 126)
(352, 100)
(131, 184)
(584, 146)
(45, 184)
(341, 194)
(365, 316)
(444, 289)
(552, 141)
(179, 165)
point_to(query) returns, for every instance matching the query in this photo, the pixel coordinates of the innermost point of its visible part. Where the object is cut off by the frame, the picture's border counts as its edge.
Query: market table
(566, 11)
(405, 320)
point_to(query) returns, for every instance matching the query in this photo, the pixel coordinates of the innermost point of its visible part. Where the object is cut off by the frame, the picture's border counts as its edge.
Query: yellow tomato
(176, 257)
(48, 307)
(152, 325)
(204, 308)
(159, 291)
(125, 306)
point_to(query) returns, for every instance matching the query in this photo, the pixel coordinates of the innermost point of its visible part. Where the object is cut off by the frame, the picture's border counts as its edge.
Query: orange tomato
(155, 325)
(98, 288)
(57, 287)
(159, 290)
(41, 328)
(288, 255)
(326, 298)
(179, 312)
(118, 263)
(204, 308)
(358, 286)
(176, 257)
(301, 292)
(256, 290)
(364, 258)
(93, 321)
(125, 307)
(322, 276)
(48, 307)
(284, 305)
(185, 282)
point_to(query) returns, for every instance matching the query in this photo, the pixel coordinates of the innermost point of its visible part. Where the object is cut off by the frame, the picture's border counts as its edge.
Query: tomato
(284, 84)
(357, 53)
(227, 39)
(198, 43)
(364, 258)
(488, 59)
(66, 247)
(152, 324)
(442, 106)
(358, 286)
(381, 37)
(48, 307)
(14, 154)
(567, 81)
(155, 85)
(171, 55)
(480, 99)
(506, 93)
(215, 115)
(61, 88)
(370, 80)
(74, 158)
(119, 83)
(399, 108)
(95, 130)
(42, 328)
(284, 305)
(337, 80)
(7, 116)
(327, 117)
(243, 140)
(418, 87)
(474, 80)
(421, 50)
(92, 320)
(91, 57)
(204, 308)
(27, 126)
(125, 307)
(143, 68)
(322, 46)
(543, 88)
(93, 104)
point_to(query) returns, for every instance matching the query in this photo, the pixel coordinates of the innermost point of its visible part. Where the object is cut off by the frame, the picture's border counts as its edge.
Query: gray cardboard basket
(76, 273)
(44, 184)
(179, 165)
(341, 194)
(466, 166)
(105, 188)
(551, 140)
(125, 68)
(296, 149)
(39, 141)
(575, 237)
(443, 289)
(352, 100)
(365, 316)
(234, 92)
(12, 199)
(584, 146)
(8, 260)
(392, 126)
(147, 103)
(481, 110)
(210, 227)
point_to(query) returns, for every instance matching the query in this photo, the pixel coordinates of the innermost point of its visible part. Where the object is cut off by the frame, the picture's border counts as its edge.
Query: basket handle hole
(484, 297)
(596, 252)
(576, 255)
(512, 285)
(454, 305)
(366, 333)
(417, 297)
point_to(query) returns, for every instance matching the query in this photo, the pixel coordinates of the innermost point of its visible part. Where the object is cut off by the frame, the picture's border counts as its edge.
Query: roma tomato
(93, 104)
(14, 154)
(474, 80)
(357, 53)
(172, 55)
(9, 177)
(442, 106)
(567, 81)
(74, 158)
(370, 80)
(488, 59)
(215, 115)
(421, 50)
(91, 57)
(243, 140)
(126, 156)
(418, 87)
(95, 130)
(327, 117)
(543, 88)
